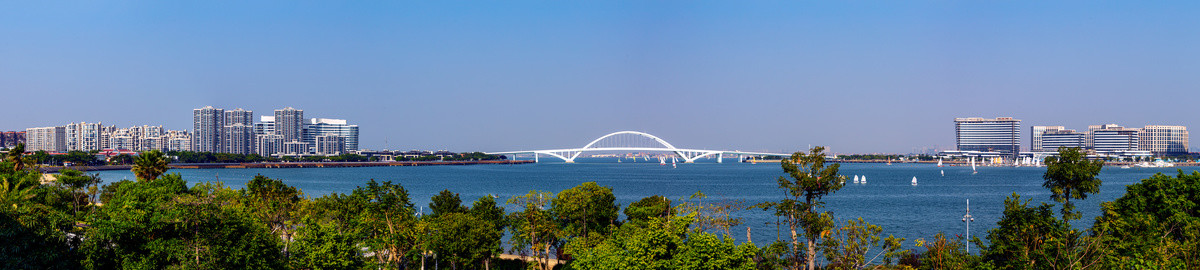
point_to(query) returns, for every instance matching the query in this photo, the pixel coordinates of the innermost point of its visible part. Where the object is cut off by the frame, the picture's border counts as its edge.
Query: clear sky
(858, 76)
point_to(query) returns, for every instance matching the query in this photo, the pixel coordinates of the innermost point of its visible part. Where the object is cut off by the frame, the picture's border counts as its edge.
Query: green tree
(486, 210)
(446, 202)
(648, 207)
(944, 253)
(1025, 236)
(80, 186)
(275, 204)
(163, 224)
(1156, 224)
(1070, 175)
(387, 221)
(462, 239)
(810, 180)
(533, 230)
(848, 247)
(584, 214)
(16, 156)
(666, 243)
(322, 245)
(149, 165)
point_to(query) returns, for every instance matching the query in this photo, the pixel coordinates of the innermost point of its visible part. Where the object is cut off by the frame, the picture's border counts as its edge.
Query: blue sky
(858, 76)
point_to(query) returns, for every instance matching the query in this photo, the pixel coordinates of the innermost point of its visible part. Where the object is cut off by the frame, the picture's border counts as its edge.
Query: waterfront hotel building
(1001, 134)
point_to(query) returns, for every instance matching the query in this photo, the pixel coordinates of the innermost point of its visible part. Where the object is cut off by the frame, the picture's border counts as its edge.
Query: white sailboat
(973, 171)
(662, 161)
(673, 163)
(943, 172)
(939, 163)
(914, 181)
(864, 179)
(856, 179)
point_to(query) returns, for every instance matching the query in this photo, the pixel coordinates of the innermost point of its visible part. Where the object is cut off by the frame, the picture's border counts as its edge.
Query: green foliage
(666, 243)
(533, 230)
(149, 165)
(810, 180)
(446, 202)
(462, 239)
(274, 204)
(1070, 175)
(584, 212)
(1156, 223)
(385, 218)
(848, 247)
(1025, 236)
(33, 219)
(16, 157)
(163, 224)
(322, 245)
(487, 211)
(648, 207)
(944, 253)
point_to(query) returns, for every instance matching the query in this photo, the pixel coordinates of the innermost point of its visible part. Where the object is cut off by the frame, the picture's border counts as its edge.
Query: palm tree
(149, 165)
(16, 156)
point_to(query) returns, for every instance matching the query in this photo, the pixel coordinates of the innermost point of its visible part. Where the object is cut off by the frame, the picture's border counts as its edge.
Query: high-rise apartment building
(265, 125)
(239, 116)
(330, 145)
(268, 144)
(1163, 140)
(49, 139)
(207, 124)
(238, 139)
(10, 139)
(331, 127)
(1112, 138)
(1035, 137)
(84, 136)
(289, 123)
(1001, 134)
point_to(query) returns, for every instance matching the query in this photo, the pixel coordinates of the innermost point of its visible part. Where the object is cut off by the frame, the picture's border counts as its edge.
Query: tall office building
(1001, 134)
(289, 123)
(1050, 141)
(207, 124)
(238, 139)
(1163, 140)
(331, 127)
(239, 116)
(49, 139)
(1112, 138)
(1035, 141)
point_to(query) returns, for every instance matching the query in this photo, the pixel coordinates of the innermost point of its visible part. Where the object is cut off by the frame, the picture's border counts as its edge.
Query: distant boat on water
(939, 163)
(856, 179)
(914, 181)
(864, 179)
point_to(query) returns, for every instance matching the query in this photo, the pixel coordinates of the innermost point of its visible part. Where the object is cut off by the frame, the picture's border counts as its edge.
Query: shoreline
(291, 165)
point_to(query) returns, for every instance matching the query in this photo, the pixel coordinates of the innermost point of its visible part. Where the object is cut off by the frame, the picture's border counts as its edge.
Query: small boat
(662, 161)
(939, 163)
(914, 181)
(889, 162)
(973, 171)
(864, 179)
(856, 179)
(943, 172)
(673, 163)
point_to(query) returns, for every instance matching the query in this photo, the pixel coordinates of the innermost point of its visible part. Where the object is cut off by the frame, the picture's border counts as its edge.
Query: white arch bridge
(633, 141)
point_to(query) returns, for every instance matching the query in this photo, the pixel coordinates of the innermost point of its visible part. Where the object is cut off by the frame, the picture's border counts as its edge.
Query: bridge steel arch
(688, 155)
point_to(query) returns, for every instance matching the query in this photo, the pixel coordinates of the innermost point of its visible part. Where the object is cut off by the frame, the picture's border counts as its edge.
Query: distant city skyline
(857, 77)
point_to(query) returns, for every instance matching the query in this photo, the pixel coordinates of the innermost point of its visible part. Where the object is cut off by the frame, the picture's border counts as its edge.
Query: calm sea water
(936, 204)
